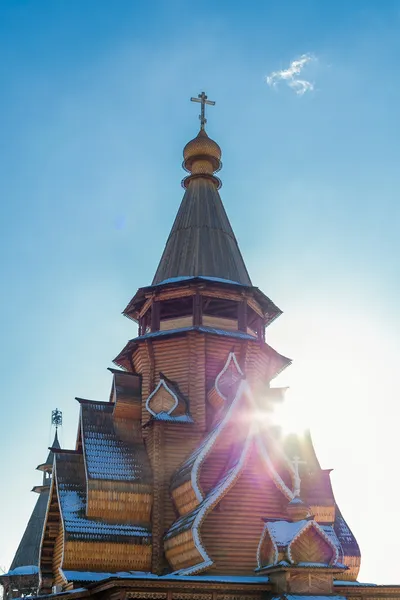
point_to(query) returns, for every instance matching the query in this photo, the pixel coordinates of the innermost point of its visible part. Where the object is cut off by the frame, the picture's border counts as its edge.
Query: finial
(296, 462)
(202, 98)
(56, 418)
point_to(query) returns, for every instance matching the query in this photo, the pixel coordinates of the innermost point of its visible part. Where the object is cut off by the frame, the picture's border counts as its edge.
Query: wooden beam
(242, 315)
(197, 310)
(155, 316)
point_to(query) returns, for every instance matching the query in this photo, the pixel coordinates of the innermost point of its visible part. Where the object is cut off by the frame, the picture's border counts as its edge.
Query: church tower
(181, 486)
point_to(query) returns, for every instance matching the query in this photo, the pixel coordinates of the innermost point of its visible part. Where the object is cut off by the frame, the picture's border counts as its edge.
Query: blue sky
(94, 114)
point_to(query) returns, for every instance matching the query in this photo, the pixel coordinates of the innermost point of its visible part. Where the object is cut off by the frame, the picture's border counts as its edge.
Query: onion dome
(297, 510)
(202, 157)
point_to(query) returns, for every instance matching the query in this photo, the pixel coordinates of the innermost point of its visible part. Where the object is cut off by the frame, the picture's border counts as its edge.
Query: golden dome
(204, 151)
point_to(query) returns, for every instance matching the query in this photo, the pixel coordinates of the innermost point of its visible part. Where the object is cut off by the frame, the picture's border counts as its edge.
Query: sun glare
(290, 414)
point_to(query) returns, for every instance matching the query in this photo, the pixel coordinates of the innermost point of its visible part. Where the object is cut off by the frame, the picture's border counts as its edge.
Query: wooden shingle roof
(71, 486)
(109, 454)
(202, 242)
(27, 553)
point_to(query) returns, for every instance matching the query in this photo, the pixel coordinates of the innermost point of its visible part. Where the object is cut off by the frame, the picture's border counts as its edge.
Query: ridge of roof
(86, 401)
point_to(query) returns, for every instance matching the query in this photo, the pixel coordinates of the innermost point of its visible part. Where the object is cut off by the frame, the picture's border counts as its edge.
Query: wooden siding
(162, 401)
(58, 579)
(310, 583)
(180, 442)
(197, 371)
(267, 552)
(119, 506)
(220, 323)
(155, 449)
(177, 323)
(50, 535)
(231, 532)
(311, 547)
(323, 514)
(217, 352)
(110, 557)
(221, 454)
(185, 498)
(181, 551)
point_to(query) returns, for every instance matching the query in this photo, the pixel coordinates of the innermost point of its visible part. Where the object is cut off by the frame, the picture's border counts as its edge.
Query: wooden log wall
(231, 532)
(109, 557)
(185, 498)
(177, 323)
(323, 514)
(117, 505)
(180, 441)
(197, 383)
(58, 579)
(221, 454)
(181, 551)
(50, 535)
(353, 563)
(267, 552)
(220, 323)
(217, 352)
(155, 449)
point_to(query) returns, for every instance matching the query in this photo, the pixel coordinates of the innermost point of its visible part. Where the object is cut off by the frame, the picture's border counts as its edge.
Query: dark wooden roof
(202, 241)
(28, 550)
(71, 487)
(112, 452)
(46, 466)
(345, 535)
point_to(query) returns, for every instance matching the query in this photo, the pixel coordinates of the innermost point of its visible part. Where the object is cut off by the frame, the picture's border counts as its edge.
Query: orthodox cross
(296, 462)
(202, 98)
(56, 418)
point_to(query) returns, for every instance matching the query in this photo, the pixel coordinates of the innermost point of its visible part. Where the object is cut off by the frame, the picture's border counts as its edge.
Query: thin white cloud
(291, 75)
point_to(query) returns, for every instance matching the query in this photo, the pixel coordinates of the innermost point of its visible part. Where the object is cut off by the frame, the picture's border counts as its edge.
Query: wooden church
(181, 485)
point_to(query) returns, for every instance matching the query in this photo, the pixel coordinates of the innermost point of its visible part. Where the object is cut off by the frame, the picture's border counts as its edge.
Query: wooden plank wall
(231, 532)
(180, 442)
(109, 557)
(216, 462)
(57, 557)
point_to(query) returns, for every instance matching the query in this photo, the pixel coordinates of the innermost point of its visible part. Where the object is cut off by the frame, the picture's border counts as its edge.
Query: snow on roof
(71, 485)
(223, 332)
(107, 455)
(356, 583)
(201, 277)
(282, 532)
(78, 525)
(164, 416)
(26, 570)
(94, 576)
(295, 597)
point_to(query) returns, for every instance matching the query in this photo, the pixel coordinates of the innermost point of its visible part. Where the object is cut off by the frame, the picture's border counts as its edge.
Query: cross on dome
(203, 99)
(296, 462)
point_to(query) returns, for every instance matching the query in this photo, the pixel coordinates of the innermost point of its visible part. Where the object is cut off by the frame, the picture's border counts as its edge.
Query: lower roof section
(89, 576)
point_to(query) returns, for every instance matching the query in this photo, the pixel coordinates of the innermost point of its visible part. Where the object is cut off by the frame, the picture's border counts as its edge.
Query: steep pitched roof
(29, 546)
(109, 454)
(202, 241)
(27, 553)
(50, 457)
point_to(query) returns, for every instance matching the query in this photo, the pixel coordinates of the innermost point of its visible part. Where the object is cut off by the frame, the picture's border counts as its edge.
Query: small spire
(202, 98)
(56, 443)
